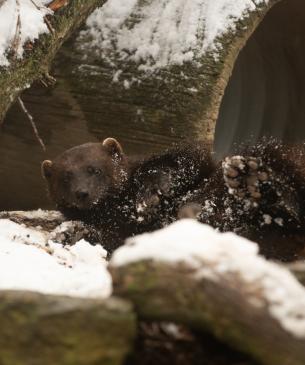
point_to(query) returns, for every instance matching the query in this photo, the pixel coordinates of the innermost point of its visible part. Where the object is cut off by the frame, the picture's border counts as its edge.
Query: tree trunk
(183, 99)
(228, 307)
(233, 310)
(43, 329)
(35, 65)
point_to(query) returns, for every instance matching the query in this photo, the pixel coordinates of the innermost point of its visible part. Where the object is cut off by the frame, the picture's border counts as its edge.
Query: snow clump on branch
(20, 21)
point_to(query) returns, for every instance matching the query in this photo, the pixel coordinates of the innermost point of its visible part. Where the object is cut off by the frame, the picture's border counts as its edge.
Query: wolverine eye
(94, 171)
(90, 170)
(67, 177)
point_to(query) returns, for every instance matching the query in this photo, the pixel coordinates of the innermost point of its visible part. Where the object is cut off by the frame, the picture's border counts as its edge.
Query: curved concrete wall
(266, 92)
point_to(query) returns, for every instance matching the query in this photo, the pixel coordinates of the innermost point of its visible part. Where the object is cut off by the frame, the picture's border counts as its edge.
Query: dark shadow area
(60, 124)
(266, 92)
(156, 345)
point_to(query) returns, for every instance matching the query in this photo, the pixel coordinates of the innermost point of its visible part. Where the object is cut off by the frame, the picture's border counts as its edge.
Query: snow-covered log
(298, 270)
(47, 220)
(42, 329)
(190, 274)
(165, 62)
(55, 303)
(29, 41)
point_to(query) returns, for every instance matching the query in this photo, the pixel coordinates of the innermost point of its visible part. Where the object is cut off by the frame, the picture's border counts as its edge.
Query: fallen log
(46, 220)
(166, 75)
(242, 299)
(218, 283)
(43, 329)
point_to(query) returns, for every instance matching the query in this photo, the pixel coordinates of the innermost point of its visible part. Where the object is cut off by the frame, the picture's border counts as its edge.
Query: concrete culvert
(266, 92)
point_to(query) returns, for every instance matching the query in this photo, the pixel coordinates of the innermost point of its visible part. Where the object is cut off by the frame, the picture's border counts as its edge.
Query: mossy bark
(223, 307)
(185, 98)
(36, 63)
(41, 329)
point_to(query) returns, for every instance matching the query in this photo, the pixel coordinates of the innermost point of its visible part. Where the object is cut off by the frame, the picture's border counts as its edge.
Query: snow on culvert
(215, 255)
(31, 24)
(159, 33)
(28, 261)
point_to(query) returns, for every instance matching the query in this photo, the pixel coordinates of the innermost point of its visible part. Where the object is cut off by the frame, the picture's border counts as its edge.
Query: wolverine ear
(46, 169)
(113, 146)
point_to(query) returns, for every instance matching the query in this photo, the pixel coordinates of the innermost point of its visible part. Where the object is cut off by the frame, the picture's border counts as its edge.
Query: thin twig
(36, 6)
(43, 83)
(17, 36)
(26, 112)
(49, 25)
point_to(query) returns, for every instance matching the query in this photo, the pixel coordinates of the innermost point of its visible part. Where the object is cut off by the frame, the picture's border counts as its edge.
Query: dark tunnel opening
(266, 92)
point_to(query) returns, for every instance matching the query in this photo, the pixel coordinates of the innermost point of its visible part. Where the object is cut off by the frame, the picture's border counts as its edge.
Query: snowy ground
(20, 21)
(159, 33)
(30, 261)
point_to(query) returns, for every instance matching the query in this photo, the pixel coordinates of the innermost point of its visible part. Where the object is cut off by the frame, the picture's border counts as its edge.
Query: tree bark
(42, 329)
(228, 308)
(47, 220)
(184, 100)
(36, 63)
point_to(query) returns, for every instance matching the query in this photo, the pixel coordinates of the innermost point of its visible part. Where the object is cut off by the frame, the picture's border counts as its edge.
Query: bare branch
(17, 36)
(32, 123)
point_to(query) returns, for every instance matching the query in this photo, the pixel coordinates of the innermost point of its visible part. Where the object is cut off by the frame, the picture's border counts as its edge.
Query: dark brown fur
(127, 198)
(86, 174)
(276, 218)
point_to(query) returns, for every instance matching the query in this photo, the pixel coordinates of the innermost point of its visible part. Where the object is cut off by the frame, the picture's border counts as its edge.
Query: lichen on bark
(47, 329)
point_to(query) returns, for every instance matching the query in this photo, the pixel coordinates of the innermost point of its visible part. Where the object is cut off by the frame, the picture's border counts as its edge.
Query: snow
(159, 33)
(30, 261)
(31, 25)
(216, 255)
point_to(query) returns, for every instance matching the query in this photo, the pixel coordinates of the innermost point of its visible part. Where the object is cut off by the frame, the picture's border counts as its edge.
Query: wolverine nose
(81, 195)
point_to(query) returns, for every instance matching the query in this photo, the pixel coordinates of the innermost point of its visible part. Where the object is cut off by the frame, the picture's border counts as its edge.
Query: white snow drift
(29, 261)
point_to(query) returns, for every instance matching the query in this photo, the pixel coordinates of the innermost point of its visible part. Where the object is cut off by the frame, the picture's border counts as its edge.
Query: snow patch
(31, 25)
(215, 255)
(159, 33)
(29, 261)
